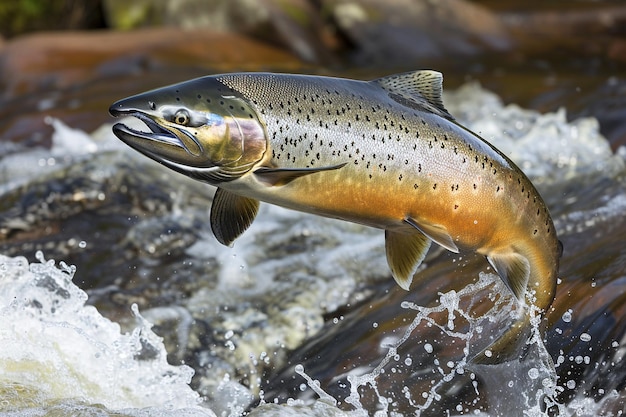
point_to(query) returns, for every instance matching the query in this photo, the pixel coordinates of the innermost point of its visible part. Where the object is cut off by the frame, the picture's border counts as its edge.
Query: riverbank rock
(77, 75)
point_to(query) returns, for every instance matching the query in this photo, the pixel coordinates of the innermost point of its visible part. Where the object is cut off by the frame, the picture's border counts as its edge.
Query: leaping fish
(383, 153)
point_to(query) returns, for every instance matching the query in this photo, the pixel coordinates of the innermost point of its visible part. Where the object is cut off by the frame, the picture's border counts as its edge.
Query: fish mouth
(133, 137)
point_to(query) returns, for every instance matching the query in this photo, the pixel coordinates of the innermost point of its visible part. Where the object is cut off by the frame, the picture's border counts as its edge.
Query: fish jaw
(211, 136)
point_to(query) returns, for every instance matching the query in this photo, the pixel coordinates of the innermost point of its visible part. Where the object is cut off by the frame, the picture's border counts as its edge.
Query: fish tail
(509, 346)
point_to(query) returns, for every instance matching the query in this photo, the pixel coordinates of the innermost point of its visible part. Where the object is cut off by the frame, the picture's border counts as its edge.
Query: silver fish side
(383, 153)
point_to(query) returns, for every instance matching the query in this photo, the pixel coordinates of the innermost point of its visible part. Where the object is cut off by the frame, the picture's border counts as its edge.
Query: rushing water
(301, 317)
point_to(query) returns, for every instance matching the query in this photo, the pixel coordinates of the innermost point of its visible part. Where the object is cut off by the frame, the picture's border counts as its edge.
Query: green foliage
(21, 16)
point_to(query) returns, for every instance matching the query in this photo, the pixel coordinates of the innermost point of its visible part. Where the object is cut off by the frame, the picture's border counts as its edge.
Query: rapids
(301, 317)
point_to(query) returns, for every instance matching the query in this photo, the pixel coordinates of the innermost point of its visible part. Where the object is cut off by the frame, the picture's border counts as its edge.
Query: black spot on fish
(415, 186)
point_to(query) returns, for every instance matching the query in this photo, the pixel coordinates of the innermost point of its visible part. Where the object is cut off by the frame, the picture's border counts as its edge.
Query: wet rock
(62, 60)
(75, 76)
(295, 24)
(397, 32)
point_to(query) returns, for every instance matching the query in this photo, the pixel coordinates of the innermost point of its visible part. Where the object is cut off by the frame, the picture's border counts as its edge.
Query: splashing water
(534, 378)
(59, 353)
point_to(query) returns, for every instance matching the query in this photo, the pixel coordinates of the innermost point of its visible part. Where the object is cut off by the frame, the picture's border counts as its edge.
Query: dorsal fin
(421, 88)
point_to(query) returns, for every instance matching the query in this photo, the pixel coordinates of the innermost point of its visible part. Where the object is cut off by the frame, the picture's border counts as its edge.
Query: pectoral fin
(514, 269)
(436, 233)
(405, 253)
(282, 176)
(231, 215)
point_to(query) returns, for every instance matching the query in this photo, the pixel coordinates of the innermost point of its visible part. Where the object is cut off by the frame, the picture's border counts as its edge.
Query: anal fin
(514, 269)
(231, 215)
(405, 253)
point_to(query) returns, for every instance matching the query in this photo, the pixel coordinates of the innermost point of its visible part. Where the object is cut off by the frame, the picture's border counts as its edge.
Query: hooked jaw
(138, 139)
(207, 135)
(158, 143)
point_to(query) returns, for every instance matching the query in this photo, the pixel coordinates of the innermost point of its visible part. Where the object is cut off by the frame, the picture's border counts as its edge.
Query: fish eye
(182, 117)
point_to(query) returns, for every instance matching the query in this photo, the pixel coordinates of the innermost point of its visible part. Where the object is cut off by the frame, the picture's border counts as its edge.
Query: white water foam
(59, 352)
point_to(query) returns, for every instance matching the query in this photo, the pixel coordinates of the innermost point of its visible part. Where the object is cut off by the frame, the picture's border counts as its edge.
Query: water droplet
(408, 361)
(82, 244)
(567, 316)
(571, 384)
(533, 373)
(375, 325)
(428, 348)
(229, 334)
(299, 369)
(585, 337)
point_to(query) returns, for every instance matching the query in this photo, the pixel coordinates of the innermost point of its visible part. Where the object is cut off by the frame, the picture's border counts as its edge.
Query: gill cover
(200, 128)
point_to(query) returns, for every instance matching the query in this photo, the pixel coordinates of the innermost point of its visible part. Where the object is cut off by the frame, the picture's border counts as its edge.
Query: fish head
(200, 128)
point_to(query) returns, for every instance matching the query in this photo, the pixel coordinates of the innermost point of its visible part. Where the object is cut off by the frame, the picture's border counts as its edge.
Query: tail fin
(510, 346)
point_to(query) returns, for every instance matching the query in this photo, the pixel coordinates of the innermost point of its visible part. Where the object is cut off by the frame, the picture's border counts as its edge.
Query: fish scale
(384, 153)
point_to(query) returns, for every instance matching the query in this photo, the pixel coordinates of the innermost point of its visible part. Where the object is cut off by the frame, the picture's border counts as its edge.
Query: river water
(301, 317)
